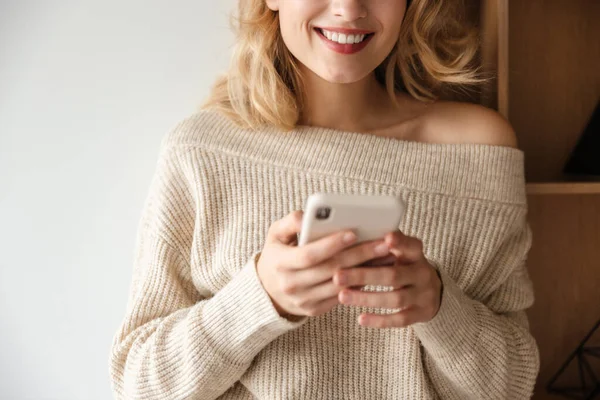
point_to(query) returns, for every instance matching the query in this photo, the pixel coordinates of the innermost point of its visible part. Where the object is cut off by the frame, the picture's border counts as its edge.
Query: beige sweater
(199, 324)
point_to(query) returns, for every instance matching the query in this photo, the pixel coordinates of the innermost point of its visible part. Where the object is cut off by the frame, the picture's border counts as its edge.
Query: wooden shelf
(537, 188)
(543, 55)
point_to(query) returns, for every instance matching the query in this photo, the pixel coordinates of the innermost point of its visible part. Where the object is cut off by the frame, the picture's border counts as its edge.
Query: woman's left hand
(417, 285)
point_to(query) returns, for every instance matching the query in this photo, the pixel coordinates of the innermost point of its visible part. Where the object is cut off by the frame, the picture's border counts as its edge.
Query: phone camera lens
(323, 212)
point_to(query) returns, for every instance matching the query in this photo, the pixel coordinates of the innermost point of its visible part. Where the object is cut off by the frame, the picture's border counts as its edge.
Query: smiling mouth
(343, 38)
(343, 43)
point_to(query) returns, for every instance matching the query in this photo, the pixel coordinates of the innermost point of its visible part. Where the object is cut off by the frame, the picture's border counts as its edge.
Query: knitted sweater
(200, 325)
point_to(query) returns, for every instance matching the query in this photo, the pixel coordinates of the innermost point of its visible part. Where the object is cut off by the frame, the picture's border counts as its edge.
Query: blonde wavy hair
(434, 53)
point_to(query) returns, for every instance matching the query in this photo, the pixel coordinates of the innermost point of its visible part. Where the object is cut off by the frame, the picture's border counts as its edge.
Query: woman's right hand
(298, 279)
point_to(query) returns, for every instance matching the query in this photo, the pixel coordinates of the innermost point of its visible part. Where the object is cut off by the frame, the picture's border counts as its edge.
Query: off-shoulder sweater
(199, 324)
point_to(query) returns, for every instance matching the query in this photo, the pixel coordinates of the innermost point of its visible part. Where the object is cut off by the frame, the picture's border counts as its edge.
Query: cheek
(391, 18)
(394, 27)
(293, 33)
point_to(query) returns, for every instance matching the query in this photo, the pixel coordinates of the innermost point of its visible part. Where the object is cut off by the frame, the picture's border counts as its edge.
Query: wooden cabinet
(547, 57)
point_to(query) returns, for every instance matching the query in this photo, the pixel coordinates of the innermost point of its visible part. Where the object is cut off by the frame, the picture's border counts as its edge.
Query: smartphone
(370, 216)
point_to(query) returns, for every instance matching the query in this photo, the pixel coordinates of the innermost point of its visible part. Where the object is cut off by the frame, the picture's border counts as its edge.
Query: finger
(390, 259)
(401, 319)
(398, 298)
(285, 230)
(326, 305)
(314, 276)
(321, 292)
(318, 251)
(407, 249)
(359, 254)
(397, 276)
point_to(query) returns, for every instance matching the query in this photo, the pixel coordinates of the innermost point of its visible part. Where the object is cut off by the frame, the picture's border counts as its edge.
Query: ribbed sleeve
(483, 349)
(174, 344)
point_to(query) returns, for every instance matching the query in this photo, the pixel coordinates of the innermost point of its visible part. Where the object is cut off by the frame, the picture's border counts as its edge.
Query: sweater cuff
(454, 330)
(242, 317)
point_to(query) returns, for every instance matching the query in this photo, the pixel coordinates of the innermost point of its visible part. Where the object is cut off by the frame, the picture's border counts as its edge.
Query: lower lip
(344, 48)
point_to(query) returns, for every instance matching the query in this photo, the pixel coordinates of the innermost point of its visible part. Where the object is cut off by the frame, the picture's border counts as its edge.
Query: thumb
(407, 249)
(286, 229)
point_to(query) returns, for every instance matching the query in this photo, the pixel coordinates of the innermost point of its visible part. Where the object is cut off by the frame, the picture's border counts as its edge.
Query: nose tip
(349, 10)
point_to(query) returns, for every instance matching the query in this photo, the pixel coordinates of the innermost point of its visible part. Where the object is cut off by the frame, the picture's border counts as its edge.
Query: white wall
(87, 91)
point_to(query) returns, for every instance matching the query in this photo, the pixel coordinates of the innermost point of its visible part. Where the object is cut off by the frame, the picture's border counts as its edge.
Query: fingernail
(349, 237)
(381, 249)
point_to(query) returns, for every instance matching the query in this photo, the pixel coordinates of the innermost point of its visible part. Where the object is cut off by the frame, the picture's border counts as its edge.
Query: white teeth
(343, 38)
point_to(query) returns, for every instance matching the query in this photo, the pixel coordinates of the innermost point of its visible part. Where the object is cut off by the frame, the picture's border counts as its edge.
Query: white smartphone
(370, 216)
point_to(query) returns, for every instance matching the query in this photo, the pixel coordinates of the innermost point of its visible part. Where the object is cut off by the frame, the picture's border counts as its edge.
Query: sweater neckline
(488, 172)
(404, 142)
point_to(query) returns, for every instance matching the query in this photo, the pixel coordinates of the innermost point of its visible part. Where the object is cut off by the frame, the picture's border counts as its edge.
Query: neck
(358, 106)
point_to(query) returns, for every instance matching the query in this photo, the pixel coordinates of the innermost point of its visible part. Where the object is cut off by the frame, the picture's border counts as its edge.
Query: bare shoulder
(456, 122)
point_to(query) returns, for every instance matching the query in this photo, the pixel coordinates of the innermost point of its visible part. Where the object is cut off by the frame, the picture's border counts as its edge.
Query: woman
(223, 304)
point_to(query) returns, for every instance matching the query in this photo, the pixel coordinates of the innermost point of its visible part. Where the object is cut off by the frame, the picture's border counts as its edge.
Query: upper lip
(345, 30)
